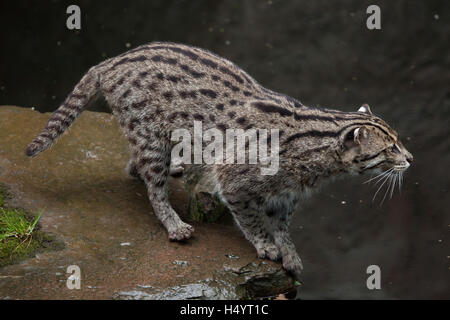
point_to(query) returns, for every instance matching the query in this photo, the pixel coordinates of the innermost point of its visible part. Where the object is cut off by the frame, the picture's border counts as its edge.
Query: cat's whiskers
(380, 176)
(400, 177)
(384, 179)
(389, 184)
(393, 177)
(394, 182)
(387, 175)
(401, 181)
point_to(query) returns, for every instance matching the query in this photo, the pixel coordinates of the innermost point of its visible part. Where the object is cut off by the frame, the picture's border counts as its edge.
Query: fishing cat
(156, 88)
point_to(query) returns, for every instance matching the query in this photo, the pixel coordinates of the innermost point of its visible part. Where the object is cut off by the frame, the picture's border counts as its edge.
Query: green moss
(20, 237)
(218, 212)
(14, 250)
(196, 211)
(206, 208)
(17, 223)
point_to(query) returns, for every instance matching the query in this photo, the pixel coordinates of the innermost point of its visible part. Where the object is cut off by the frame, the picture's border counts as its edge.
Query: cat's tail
(66, 114)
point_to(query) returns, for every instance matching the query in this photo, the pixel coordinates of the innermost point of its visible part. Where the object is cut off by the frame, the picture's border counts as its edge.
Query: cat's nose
(410, 159)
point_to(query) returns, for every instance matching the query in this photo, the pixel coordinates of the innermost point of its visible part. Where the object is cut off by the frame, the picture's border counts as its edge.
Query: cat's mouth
(401, 167)
(394, 167)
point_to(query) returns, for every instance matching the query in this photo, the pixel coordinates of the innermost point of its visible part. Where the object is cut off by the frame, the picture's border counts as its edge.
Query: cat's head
(374, 146)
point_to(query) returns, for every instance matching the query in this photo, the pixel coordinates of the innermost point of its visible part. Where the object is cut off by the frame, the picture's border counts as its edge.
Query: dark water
(319, 52)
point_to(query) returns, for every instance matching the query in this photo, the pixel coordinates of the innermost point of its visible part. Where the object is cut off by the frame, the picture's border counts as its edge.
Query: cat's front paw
(293, 264)
(269, 251)
(181, 232)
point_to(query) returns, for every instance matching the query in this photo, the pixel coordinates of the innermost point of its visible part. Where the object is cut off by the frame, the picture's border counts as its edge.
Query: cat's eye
(395, 149)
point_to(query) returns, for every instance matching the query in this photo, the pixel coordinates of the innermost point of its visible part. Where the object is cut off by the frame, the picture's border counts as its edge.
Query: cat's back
(166, 64)
(175, 84)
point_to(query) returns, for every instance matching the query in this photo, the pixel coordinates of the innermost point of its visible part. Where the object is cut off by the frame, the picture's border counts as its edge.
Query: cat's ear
(355, 137)
(360, 134)
(365, 109)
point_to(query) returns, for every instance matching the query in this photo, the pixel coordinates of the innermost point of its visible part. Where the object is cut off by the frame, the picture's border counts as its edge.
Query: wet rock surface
(242, 282)
(108, 228)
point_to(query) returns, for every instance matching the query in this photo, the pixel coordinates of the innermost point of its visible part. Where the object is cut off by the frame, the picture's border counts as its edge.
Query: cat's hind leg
(152, 162)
